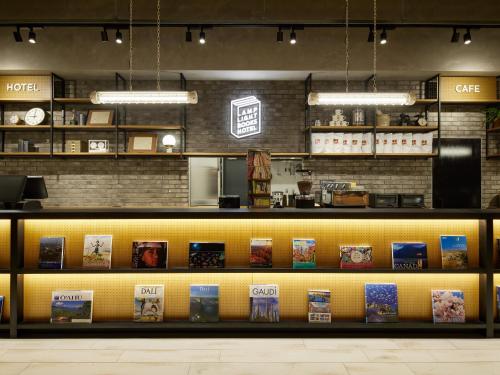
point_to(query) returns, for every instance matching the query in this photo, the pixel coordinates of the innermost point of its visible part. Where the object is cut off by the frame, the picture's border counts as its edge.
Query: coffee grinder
(305, 199)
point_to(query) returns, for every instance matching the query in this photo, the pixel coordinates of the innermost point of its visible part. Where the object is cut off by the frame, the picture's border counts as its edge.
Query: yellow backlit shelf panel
(4, 244)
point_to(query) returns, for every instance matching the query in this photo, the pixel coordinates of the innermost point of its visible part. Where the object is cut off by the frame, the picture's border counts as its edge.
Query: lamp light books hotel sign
(28, 88)
(245, 117)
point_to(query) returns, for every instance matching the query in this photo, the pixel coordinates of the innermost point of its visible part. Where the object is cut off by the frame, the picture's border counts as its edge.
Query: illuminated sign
(468, 89)
(245, 117)
(25, 88)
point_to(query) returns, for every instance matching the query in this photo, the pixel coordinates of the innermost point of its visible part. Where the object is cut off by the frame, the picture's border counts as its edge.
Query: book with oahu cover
(71, 306)
(448, 306)
(264, 303)
(409, 255)
(97, 251)
(381, 302)
(206, 255)
(204, 303)
(148, 303)
(454, 251)
(319, 306)
(51, 253)
(261, 253)
(353, 257)
(149, 254)
(304, 253)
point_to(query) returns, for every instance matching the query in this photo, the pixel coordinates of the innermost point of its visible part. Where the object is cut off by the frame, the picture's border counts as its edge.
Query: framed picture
(98, 145)
(142, 143)
(99, 117)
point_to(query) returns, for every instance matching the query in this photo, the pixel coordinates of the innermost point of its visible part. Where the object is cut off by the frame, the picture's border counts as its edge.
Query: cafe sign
(25, 88)
(468, 89)
(245, 117)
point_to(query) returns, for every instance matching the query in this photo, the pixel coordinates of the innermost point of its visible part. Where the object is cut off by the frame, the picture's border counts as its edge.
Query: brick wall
(152, 182)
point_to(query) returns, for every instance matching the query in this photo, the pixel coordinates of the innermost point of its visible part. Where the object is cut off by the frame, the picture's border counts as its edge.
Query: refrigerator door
(234, 178)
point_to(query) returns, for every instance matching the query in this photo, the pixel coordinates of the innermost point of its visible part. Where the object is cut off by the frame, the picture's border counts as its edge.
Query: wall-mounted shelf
(342, 155)
(24, 154)
(477, 102)
(369, 128)
(27, 128)
(406, 129)
(148, 154)
(340, 129)
(84, 154)
(73, 100)
(85, 128)
(494, 130)
(405, 155)
(150, 127)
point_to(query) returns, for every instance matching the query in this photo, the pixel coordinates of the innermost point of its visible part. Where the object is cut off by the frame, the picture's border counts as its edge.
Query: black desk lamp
(22, 192)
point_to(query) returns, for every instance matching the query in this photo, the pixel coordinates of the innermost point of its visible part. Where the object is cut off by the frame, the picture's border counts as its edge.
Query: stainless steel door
(203, 181)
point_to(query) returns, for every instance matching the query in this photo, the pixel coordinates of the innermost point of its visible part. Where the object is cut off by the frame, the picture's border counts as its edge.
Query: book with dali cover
(261, 253)
(149, 254)
(381, 302)
(51, 253)
(264, 303)
(148, 303)
(454, 252)
(204, 303)
(448, 306)
(353, 257)
(304, 253)
(319, 306)
(71, 306)
(409, 255)
(97, 251)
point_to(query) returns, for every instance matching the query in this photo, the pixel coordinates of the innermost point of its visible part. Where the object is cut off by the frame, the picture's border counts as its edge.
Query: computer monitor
(35, 188)
(12, 188)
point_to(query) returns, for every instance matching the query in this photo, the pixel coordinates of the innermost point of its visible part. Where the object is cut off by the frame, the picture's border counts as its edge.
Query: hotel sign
(245, 117)
(25, 88)
(468, 89)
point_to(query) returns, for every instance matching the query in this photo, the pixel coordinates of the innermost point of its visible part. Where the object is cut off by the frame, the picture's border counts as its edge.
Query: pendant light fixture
(144, 97)
(361, 98)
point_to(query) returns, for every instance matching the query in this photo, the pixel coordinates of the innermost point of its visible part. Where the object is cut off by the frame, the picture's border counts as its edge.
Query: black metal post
(16, 277)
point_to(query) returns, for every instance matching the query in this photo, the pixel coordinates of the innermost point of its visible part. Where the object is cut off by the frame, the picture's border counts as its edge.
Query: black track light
(189, 36)
(467, 37)
(118, 37)
(455, 37)
(383, 37)
(203, 38)
(17, 35)
(104, 35)
(371, 35)
(293, 37)
(31, 36)
(279, 35)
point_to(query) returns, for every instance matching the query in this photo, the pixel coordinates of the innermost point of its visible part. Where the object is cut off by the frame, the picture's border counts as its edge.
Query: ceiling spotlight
(17, 35)
(203, 39)
(467, 37)
(293, 37)
(31, 36)
(383, 37)
(455, 37)
(118, 37)
(279, 35)
(104, 35)
(189, 36)
(371, 35)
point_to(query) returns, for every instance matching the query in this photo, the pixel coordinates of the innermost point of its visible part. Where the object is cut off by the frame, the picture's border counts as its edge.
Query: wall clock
(34, 116)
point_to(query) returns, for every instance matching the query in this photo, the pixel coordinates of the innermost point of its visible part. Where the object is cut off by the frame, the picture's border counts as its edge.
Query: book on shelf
(497, 288)
(148, 303)
(264, 303)
(71, 306)
(409, 255)
(319, 306)
(206, 255)
(448, 306)
(261, 187)
(454, 251)
(51, 253)
(149, 254)
(2, 298)
(356, 257)
(204, 303)
(261, 253)
(304, 253)
(97, 251)
(381, 301)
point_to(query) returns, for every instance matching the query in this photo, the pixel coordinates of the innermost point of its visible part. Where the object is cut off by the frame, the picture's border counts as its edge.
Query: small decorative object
(74, 146)
(358, 116)
(383, 119)
(98, 145)
(73, 120)
(168, 141)
(100, 117)
(35, 116)
(338, 119)
(14, 119)
(404, 119)
(317, 123)
(82, 118)
(421, 120)
(142, 143)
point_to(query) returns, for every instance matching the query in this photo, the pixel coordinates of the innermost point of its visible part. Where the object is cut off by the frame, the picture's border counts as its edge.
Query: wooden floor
(250, 356)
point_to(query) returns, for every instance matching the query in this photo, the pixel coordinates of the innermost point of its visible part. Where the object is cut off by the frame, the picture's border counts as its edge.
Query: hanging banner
(468, 89)
(25, 88)
(245, 117)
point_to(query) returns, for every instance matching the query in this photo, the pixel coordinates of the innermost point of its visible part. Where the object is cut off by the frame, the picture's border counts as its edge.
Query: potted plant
(492, 119)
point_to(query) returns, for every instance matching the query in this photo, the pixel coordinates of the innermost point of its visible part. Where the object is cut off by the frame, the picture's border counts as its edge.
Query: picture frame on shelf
(98, 145)
(100, 117)
(146, 143)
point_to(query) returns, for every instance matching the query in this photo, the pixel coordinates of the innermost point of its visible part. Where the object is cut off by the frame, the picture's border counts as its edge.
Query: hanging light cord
(158, 45)
(374, 81)
(347, 46)
(130, 44)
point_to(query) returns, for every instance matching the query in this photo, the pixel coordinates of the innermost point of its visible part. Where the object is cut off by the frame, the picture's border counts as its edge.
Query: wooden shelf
(494, 130)
(341, 129)
(425, 101)
(493, 156)
(406, 155)
(477, 102)
(406, 129)
(342, 154)
(150, 127)
(85, 128)
(148, 154)
(215, 154)
(289, 154)
(369, 128)
(30, 128)
(85, 154)
(23, 154)
(73, 100)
